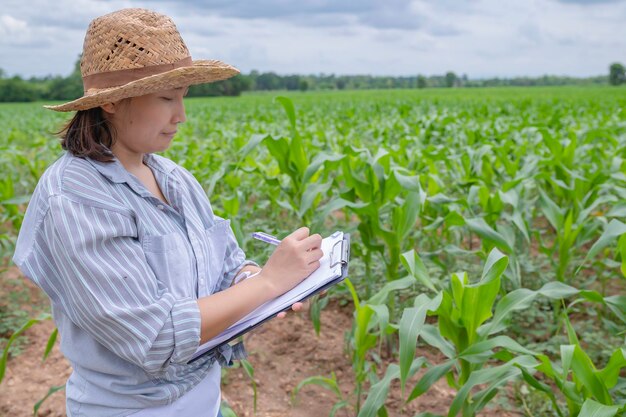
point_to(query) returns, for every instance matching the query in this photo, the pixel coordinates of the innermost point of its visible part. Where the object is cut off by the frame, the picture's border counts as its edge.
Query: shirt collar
(115, 171)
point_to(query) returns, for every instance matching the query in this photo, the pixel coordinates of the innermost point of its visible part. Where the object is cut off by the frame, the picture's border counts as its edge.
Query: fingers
(314, 256)
(294, 307)
(299, 234)
(311, 242)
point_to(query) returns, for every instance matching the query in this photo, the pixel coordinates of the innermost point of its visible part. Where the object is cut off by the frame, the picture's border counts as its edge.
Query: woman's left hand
(294, 307)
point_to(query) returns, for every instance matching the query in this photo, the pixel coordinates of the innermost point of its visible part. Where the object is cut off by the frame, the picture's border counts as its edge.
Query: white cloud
(398, 37)
(12, 30)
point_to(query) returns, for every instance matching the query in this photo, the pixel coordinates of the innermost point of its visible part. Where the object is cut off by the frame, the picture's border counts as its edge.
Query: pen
(266, 238)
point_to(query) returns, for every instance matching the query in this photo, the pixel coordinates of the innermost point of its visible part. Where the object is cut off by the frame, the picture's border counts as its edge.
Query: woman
(124, 242)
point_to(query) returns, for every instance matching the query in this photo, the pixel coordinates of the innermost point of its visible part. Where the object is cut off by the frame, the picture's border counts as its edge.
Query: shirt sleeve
(106, 287)
(234, 260)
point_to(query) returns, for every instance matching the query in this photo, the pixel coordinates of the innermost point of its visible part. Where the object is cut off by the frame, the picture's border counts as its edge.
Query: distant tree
(68, 88)
(268, 81)
(304, 84)
(292, 82)
(617, 74)
(2, 74)
(230, 87)
(451, 79)
(421, 81)
(15, 89)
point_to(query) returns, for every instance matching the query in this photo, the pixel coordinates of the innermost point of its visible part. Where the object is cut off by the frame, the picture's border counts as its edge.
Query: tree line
(17, 89)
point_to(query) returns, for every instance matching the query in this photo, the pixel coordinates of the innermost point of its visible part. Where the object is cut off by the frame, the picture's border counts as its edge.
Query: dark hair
(89, 134)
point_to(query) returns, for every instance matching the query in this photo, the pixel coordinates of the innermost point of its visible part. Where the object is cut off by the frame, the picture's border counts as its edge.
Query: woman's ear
(109, 108)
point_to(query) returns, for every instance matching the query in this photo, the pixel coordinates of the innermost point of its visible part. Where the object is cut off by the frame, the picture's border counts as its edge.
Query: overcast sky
(480, 38)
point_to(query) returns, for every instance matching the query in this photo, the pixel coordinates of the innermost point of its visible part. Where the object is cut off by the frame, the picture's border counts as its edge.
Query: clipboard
(339, 256)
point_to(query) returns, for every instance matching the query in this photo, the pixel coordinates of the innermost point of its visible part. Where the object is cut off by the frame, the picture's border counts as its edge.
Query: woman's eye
(167, 98)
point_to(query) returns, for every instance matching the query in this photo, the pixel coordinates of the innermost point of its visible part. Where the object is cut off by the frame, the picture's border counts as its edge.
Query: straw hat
(133, 52)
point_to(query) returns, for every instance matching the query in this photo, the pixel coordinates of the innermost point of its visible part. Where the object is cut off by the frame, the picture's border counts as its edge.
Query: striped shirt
(123, 271)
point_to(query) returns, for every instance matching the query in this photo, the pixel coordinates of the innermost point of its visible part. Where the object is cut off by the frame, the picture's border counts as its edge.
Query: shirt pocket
(168, 256)
(217, 238)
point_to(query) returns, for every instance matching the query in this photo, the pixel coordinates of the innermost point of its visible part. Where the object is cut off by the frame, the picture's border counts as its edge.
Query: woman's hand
(294, 307)
(297, 256)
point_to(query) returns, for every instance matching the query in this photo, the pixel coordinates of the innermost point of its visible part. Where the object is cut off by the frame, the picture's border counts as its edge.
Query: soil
(283, 352)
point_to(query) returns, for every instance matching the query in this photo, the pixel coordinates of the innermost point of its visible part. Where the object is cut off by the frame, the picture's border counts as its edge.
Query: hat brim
(200, 72)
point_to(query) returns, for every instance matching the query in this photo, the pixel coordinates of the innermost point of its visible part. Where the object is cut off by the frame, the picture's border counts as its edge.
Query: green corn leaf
(413, 263)
(495, 266)
(621, 245)
(454, 219)
(410, 182)
(410, 326)
(324, 382)
(407, 215)
(51, 391)
(289, 109)
(310, 194)
(338, 406)
(319, 160)
(617, 210)
(381, 296)
(519, 299)
(617, 304)
(476, 300)
(556, 290)
(499, 341)
(51, 340)
(585, 373)
(226, 410)
(297, 156)
(571, 333)
(613, 230)
(593, 409)
(382, 312)
(494, 376)
(567, 356)
(231, 205)
(552, 212)
(518, 221)
(254, 141)
(378, 393)
(279, 149)
(432, 375)
(431, 335)
(611, 371)
(546, 389)
(482, 229)
(15, 335)
(247, 366)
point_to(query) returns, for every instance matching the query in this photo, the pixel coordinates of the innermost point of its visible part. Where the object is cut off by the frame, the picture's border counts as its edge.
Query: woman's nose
(180, 116)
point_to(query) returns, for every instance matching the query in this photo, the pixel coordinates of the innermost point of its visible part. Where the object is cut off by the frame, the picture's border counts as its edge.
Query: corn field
(487, 224)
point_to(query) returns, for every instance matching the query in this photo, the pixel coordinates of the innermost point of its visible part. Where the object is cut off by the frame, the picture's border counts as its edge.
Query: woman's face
(147, 123)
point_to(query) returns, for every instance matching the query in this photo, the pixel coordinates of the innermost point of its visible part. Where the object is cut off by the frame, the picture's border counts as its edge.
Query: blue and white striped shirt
(123, 272)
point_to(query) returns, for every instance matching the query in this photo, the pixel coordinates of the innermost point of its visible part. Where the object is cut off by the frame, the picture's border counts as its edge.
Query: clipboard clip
(340, 256)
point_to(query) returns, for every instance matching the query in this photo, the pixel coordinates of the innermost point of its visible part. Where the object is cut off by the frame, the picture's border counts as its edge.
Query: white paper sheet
(323, 275)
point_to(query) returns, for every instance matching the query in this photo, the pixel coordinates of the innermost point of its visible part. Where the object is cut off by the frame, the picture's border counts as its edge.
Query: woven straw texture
(133, 52)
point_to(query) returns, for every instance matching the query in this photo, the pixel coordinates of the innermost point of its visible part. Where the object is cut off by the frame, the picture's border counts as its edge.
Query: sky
(479, 38)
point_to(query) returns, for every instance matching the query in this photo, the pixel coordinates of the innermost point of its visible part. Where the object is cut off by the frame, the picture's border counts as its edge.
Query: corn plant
(307, 185)
(467, 339)
(586, 389)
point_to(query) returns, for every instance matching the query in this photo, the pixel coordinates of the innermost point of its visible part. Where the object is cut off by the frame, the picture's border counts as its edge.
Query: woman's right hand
(294, 259)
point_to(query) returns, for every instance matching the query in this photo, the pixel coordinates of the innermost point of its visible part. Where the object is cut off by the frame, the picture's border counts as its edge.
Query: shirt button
(161, 207)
